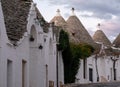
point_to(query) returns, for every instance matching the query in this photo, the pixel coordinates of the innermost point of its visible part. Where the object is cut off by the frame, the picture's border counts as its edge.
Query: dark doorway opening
(91, 74)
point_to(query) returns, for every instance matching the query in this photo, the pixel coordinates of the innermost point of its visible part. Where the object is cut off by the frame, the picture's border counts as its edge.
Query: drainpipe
(57, 66)
(46, 75)
(96, 57)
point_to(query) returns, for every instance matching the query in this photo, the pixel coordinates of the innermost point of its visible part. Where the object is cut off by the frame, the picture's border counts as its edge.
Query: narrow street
(109, 84)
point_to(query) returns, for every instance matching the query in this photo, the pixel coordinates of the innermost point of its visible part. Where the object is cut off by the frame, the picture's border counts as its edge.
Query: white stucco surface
(35, 58)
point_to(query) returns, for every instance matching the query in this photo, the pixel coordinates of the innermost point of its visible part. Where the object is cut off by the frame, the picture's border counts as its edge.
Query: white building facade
(32, 61)
(98, 69)
(102, 66)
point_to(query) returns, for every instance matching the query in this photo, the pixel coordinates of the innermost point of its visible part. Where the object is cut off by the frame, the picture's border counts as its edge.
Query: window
(73, 34)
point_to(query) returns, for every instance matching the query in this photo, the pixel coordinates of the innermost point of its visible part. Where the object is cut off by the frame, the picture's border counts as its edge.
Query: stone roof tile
(99, 36)
(77, 31)
(15, 15)
(116, 42)
(59, 20)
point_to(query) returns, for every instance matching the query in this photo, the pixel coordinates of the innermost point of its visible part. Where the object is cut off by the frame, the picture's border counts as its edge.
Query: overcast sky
(90, 13)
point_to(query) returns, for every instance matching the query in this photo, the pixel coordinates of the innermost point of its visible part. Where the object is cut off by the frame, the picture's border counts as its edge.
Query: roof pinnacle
(99, 26)
(73, 11)
(58, 12)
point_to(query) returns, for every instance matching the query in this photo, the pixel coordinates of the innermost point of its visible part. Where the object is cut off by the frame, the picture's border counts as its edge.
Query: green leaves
(86, 50)
(63, 40)
(75, 50)
(81, 50)
(72, 53)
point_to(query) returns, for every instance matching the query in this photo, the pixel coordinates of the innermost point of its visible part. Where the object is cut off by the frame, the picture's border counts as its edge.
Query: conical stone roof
(77, 31)
(15, 16)
(59, 20)
(116, 42)
(99, 36)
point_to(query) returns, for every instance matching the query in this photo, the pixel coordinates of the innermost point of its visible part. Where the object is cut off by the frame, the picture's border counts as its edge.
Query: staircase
(108, 84)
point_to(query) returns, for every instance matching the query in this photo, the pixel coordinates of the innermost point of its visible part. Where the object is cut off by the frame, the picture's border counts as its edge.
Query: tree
(64, 46)
(72, 53)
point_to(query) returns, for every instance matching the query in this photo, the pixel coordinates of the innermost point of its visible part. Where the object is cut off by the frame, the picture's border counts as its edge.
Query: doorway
(91, 74)
(9, 73)
(23, 72)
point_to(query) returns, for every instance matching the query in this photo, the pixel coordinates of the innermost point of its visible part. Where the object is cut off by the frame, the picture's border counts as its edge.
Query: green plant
(63, 40)
(72, 53)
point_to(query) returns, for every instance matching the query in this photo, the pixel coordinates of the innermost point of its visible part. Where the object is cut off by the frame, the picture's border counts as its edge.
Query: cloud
(111, 28)
(66, 15)
(105, 16)
(104, 10)
(101, 9)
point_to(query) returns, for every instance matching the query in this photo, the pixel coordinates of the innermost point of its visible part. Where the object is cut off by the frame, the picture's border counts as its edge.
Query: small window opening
(73, 34)
(31, 38)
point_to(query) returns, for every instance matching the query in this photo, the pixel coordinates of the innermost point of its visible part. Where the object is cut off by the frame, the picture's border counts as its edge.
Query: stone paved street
(110, 84)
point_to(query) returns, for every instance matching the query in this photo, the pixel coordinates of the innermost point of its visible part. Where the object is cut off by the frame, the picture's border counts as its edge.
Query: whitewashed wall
(36, 59)
(104, 64)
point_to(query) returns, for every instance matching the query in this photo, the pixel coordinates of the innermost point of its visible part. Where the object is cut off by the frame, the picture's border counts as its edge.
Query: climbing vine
(72, 53)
